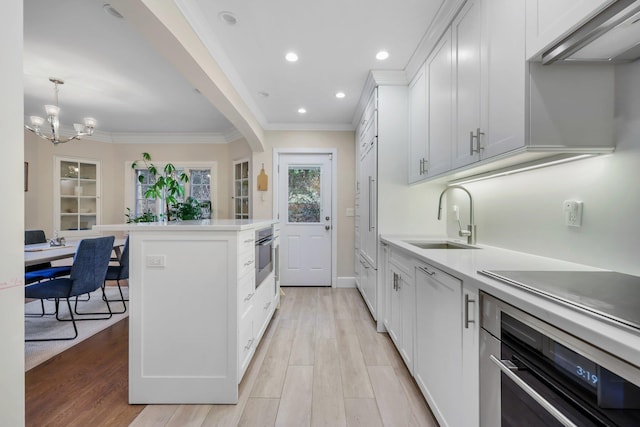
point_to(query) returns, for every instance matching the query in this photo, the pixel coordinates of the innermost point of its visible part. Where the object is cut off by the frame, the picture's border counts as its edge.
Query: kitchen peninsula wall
(524, 211)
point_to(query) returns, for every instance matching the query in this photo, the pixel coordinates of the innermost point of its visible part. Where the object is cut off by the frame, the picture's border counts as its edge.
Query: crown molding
(374, 79)
(330, 127)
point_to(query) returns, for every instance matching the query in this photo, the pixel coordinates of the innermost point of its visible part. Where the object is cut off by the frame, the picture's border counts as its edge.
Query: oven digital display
(579, 368)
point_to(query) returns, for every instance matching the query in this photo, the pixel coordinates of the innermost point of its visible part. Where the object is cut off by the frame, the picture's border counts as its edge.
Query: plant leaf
(146, 156)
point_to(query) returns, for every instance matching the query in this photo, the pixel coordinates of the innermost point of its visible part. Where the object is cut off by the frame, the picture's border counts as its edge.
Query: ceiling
(112, 74)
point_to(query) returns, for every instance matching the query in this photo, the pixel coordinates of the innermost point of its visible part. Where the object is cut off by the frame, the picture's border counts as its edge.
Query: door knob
(327, 227)
(327, 218)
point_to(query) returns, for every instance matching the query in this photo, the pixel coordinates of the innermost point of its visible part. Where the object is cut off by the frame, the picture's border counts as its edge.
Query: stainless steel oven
(264, 254)
(534, 374)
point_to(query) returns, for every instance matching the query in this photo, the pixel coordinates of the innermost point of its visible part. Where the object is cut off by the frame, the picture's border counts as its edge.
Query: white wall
(11, 218)
(344, 142)
(524, 211)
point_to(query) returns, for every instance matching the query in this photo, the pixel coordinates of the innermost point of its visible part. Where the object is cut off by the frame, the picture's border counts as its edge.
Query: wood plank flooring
(320, 363)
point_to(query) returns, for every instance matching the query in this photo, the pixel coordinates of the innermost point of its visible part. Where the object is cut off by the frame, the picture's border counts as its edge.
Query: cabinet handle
(395, 282)
(371, 181)
(421, 166)
(248, 263)
(426, 271)
(249, 343)
(477, 138)
(249, 296)
(467, 300)
(248, 241)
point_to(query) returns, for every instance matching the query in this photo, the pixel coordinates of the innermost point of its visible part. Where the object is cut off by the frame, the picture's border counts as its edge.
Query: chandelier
(53, 120)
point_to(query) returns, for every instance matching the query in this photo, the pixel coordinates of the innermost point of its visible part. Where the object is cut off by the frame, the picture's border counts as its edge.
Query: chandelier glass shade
(53, 121)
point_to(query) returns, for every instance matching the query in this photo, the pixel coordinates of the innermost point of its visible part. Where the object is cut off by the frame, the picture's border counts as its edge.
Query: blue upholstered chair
(120, 272)
(87, 274)
(44, 271)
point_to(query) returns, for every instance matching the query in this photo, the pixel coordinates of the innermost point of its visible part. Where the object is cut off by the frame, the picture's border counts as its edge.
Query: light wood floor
(320, 363)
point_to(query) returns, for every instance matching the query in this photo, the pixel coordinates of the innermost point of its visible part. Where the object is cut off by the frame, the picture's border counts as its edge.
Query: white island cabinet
(196, 314)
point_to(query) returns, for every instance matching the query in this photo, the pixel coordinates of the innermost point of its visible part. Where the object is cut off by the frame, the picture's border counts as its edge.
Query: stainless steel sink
(440, 245)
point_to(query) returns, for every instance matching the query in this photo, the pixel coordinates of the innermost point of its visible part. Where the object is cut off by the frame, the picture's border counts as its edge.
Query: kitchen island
(196, 314)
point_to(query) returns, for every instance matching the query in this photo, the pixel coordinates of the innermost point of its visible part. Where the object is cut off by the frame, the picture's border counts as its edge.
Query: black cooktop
(615, 296)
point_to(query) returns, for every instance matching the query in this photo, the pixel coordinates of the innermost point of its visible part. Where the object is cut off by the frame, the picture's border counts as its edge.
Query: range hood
(611, 36)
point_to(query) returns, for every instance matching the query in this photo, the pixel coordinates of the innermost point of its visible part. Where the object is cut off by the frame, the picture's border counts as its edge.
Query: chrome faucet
(470, 232)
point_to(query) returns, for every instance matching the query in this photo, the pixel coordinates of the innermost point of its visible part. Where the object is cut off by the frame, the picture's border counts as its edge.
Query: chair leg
(104, 298)
(122, 299)
(75, 328)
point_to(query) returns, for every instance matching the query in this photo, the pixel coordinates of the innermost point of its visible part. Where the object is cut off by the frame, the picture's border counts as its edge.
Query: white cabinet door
(504, 70)
(407, 293)
(549, 20)
(368, 217)
(417, 126)
(470, 356)
(466, 33)
(438, 352)
(439, 71)
(490, 79)
(394, 304)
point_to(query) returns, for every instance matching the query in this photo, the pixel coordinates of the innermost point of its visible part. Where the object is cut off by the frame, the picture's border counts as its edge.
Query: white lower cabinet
(399, 318)
(431, 317)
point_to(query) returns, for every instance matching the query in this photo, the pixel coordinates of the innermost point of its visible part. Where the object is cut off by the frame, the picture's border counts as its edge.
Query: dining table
(39, 253)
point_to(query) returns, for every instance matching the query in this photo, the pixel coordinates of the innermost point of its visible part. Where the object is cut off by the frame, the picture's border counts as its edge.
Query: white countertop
(194, 225)
(621, 341)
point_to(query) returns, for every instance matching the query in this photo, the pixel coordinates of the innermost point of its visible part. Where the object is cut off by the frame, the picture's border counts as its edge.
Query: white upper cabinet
(417, 126)
(431, 109)
(467, 39)
(488, 108)
(490, 75)
(549, 20)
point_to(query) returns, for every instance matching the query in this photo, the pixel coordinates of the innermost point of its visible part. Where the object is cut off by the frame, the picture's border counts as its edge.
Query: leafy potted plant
(168, 185)
(189, 209)
(146, 216)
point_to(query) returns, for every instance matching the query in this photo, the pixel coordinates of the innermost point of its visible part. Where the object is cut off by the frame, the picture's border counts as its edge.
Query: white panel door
(466, 30)
(304, 211)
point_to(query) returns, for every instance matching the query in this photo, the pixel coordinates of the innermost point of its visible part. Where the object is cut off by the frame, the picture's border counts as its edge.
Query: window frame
(130, 182)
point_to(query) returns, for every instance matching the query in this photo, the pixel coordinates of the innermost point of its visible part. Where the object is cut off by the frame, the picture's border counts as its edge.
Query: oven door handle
(265, 242)
(532, 393)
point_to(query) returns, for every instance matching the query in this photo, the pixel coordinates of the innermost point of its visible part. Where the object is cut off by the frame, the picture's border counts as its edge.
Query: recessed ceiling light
(228, 18)
(302, 110)
(340, 95)
(111, 11)
(291, 57)
(382, 55)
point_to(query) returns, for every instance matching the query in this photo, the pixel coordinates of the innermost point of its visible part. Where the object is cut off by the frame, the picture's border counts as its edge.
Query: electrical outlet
(572, 213)
(155, 261)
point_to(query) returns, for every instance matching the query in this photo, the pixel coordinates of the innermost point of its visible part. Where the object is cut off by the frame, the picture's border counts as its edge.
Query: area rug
(48, 326)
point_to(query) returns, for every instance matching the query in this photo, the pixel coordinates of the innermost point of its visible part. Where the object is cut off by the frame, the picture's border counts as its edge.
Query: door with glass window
(304, 211)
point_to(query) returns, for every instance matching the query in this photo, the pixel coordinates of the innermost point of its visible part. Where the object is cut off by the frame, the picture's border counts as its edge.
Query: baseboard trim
(346, 282)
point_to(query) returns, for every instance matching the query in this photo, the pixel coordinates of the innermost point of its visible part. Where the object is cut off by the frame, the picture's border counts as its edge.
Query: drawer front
(246, 346)
(401, 261)
(440, 276)
(246, 263)
(246, 295)
(246, 241)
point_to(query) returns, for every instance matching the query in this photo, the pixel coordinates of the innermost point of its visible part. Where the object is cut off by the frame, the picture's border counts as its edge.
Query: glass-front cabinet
(76, 196)
(241, 189)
